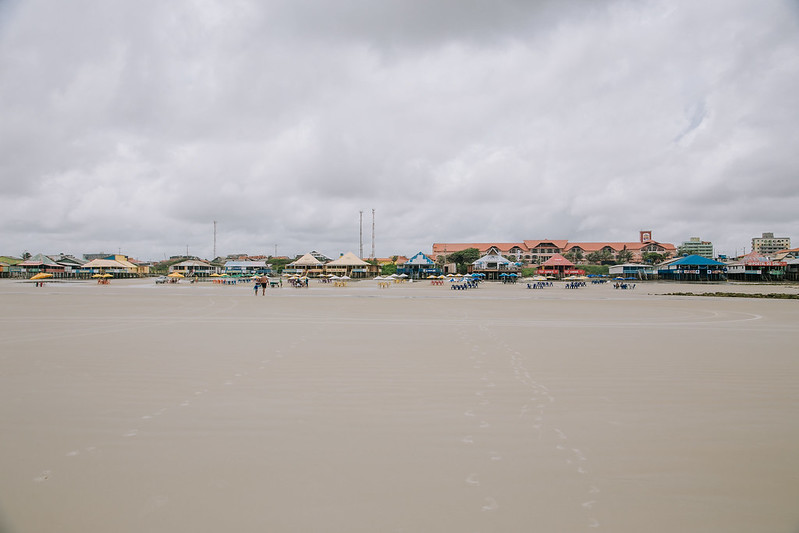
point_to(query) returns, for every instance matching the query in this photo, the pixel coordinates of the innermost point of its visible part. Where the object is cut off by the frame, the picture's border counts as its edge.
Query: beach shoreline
(136, 406)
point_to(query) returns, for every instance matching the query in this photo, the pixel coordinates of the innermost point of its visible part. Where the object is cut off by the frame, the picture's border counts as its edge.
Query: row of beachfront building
(493, 265)
(692, 260)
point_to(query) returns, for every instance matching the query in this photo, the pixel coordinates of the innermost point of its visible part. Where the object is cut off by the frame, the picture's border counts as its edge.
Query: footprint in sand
(44, 476)
(472, 480)
(491, 504)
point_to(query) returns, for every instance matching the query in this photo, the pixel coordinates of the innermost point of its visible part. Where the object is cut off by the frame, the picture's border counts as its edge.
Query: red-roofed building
(541, 250)
(756, 267)
(558, 266)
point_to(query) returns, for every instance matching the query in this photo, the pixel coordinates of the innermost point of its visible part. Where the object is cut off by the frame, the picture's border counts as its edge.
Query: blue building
(418, 267)
(693, 268)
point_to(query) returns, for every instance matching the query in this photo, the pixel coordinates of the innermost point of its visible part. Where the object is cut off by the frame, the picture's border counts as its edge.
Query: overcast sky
(133, 126)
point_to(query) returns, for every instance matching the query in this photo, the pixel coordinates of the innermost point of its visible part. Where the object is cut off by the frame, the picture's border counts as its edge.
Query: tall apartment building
(696, 246)
(768, 244)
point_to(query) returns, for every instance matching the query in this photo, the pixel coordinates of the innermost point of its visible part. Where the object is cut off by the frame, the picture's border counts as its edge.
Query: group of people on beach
(540, 285)
(467, 284)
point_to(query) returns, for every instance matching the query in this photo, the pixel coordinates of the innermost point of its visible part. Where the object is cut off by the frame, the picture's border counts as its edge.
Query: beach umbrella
(107, 276)
(97, 275)
(42, 275)
(175, 275)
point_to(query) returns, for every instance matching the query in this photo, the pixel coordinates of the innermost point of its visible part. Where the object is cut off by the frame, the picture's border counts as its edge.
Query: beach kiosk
(559, 267)
(494, 267)
(350, 265)
(307, 265)
(418, 267)
(693, 268)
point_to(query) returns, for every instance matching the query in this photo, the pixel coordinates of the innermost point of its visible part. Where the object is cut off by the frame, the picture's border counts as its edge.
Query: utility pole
(214, 239)
(361, 235)
(373, 234)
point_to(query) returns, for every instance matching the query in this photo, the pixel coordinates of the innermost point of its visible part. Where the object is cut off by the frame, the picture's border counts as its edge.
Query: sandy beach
(137, 407)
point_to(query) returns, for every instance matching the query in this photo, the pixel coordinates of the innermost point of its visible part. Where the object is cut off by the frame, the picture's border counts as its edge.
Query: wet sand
(135, 407)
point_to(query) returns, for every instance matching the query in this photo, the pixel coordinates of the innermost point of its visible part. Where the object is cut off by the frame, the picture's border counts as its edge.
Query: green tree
(467, 256)
(654, 258)
(624, 256)
(26, 255)
(464, 258)
(574, 255)
(388, 269)
(594, 269)
(603, 256)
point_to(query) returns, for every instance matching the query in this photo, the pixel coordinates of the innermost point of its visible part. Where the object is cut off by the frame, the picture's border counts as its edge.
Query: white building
(193, 267)
(769, 245)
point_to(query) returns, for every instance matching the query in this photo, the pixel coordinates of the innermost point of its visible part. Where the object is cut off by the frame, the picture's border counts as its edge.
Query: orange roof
(596, 246)
(449, 247)
(562, 244)
(557, 260)
(558, 243)
(401, 260)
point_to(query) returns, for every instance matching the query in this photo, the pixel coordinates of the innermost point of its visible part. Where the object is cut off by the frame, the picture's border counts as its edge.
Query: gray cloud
(134, 126)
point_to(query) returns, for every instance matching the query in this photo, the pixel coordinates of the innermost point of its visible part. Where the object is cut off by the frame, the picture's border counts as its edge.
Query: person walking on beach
(256, 288)
(264, 282)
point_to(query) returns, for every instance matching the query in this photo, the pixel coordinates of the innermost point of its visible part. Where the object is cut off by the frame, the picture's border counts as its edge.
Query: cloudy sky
(134, 126)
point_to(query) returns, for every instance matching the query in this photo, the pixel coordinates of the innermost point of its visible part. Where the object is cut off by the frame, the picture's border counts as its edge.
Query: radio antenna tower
(214, 239)
(373, 235)
(361, 235)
